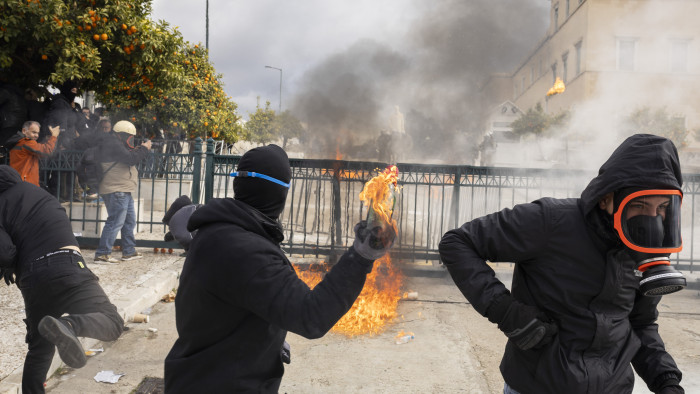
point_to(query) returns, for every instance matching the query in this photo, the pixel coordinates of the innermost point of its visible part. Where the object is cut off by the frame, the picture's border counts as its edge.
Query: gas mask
(648, 223)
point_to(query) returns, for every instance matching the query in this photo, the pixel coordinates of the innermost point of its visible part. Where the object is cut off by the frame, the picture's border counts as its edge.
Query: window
(522, 84)
(564, 66)
(625, 54)
(515, 89)
(556, 17)
(579, 53)
(679, 56)
(532, 75)
(568, 7)
(541, 70)
(554, 73)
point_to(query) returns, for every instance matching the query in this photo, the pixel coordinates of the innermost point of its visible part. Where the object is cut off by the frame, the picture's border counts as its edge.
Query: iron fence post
(196, 169)
(209, 171)
(454, 208)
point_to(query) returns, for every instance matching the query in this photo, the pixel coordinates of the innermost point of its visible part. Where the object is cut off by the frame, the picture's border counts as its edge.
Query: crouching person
(39, 252)
(239, 294)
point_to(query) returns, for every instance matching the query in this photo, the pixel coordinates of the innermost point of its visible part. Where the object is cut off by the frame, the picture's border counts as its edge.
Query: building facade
(614, 56)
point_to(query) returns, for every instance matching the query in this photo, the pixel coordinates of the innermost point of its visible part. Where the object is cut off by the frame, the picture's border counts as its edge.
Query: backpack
(89, 169)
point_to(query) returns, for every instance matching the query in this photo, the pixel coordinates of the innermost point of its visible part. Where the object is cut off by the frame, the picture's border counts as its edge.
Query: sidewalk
(133, 286)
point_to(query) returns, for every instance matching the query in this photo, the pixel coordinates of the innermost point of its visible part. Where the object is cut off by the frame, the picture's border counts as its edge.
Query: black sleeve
(115, 150)
(277, 295)
(652, 361)
(511, 235)
(8, 251)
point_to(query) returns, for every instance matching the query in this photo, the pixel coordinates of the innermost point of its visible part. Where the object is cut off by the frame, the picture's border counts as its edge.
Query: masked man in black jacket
(239, 295)
(579, 317)
(39, 252)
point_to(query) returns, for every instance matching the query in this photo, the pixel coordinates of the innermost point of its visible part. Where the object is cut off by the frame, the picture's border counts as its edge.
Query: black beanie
(175, 206)
(263, 195)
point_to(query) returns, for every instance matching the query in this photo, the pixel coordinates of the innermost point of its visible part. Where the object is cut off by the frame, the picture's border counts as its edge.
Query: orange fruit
(96, 37)
(104, 37)
(133, 28)
(82, 58)
(88, 27)
(44, 57)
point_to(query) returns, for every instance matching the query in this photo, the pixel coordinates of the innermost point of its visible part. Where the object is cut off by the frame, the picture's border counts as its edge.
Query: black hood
(13, 140)
(8, 177)
(235, 212)
(642, 161)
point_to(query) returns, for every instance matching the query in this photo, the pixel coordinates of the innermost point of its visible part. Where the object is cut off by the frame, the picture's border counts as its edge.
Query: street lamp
(280, 70)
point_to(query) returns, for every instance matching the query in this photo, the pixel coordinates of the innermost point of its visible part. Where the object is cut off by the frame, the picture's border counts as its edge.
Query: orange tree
(135, 66)
(197, 105)
(107, 45)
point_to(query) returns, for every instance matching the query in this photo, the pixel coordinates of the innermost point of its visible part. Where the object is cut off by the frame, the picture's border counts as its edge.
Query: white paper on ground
(108, 376)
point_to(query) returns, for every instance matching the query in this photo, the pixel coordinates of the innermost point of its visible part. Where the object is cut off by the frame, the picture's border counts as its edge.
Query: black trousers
(53, 285)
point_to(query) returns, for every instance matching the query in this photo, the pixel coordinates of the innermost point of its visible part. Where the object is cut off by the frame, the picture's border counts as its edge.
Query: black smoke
(434, 76)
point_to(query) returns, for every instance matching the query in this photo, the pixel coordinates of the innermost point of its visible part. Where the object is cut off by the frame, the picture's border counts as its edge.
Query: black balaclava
(263, 195)
(66, 90)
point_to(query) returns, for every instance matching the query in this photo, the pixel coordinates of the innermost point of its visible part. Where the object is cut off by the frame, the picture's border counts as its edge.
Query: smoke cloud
(433, 74)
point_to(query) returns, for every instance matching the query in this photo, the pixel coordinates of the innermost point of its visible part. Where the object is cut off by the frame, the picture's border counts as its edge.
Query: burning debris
(376, 305)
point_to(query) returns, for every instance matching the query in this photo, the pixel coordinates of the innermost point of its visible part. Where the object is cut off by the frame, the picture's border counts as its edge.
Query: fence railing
(323, 202)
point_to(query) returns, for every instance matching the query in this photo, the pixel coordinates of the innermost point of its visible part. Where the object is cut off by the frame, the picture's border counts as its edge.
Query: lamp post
(207, 20)
(280, 70)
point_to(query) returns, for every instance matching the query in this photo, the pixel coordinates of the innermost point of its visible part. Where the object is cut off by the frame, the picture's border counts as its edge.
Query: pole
(207, 38)
(280, 70)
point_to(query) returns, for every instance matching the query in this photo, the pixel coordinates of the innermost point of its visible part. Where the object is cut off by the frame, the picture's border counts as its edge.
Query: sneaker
(60, 334)
(133, 256)
(106, 259)
(91, 196)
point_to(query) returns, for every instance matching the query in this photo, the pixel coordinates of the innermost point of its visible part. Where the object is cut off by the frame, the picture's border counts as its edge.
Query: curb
(147, 294)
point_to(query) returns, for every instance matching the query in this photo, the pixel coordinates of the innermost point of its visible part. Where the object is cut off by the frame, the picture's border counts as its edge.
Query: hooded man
(39, 252)
(579, 318)
(239, 295)
(119, 157)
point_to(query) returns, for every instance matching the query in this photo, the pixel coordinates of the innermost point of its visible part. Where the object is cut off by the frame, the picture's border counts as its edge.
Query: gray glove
(373, 243)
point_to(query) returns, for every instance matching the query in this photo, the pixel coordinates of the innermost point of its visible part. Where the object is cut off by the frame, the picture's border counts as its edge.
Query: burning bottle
(379, 195)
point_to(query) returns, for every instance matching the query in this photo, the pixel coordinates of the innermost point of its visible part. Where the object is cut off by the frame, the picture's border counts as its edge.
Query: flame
(376, 305)
(558, 87)
(338, 155)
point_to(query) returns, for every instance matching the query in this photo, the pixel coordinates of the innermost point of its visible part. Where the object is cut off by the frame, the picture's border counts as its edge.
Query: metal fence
(323, 202)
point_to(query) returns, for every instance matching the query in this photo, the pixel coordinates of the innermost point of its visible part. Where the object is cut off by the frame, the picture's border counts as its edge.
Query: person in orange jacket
(25, 154)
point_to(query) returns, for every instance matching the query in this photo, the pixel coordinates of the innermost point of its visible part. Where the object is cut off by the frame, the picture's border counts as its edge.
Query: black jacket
(239, 295)
(570, 266)
(32, 222)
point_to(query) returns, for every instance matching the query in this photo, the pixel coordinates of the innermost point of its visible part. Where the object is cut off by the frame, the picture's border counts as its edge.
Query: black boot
(62, 335)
